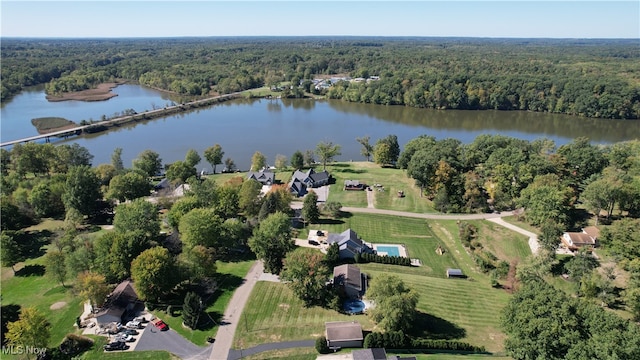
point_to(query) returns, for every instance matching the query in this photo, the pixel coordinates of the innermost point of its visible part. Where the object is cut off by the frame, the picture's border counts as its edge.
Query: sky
(479, 18)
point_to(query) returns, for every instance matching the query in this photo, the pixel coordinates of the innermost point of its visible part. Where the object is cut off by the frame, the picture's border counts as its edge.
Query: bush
(75, 344)
(321, 345)
(445, 345)
(388, 340)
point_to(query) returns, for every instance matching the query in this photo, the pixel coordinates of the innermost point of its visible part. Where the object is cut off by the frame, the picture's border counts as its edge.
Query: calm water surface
(283, 126)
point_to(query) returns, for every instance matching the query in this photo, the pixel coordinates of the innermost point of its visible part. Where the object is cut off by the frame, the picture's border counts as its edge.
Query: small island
(99, 93)
(46, 125)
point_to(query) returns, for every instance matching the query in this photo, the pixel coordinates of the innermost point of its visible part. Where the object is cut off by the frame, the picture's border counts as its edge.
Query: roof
(351, 183)
(348, 274)
(122, 295)
(343, 331)
(454, 272)
(369, 354)
(592, 231)
(262, 176)
(319, 176)
(110, 311)
(580, 238)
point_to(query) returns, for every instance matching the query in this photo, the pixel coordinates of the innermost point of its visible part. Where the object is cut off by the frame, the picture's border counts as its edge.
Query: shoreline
(101, 93)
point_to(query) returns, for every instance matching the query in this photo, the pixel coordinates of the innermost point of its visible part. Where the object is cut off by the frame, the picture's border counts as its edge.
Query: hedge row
(398, 340)
(392, 260)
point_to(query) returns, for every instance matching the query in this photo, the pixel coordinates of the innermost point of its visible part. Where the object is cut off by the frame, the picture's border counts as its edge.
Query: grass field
(273, 314)
(505, 244)
(232, 275)
(415, 234)
(309, 353)
(467, 310)
(392, 180)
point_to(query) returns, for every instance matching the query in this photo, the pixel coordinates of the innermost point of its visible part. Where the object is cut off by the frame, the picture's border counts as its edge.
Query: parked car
(160, 325)
(129, 331)
(141, 319)
(124, 338)
(133, 324)
(116, 345)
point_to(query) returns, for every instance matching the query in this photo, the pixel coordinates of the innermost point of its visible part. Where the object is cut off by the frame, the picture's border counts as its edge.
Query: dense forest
(590, 78)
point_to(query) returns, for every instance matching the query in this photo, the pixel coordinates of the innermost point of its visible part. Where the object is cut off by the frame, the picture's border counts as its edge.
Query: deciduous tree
(310, 211)
(116, 159)
(201, 227)
(271, 241)
(258, 161)
(154, 273)
(82, 190)
(306, 274)
(192, 158)
(326, 152)
(249, 197)
(55, 265)
(297, 160)
(31, 330)
(137, 216)
(367, 148)
(10, 253)
(148, 162)
(93, 287)
(129, 186)
(214, 155)
(179, 172)
(395, 308)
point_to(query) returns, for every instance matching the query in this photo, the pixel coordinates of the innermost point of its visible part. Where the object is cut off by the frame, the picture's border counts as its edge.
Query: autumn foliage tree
(306, 274)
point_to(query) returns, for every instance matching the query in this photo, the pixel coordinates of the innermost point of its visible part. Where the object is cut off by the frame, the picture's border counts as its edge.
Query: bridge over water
(119, 120)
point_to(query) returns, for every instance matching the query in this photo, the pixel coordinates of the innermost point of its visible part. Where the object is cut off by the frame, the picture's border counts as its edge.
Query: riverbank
(101, 93)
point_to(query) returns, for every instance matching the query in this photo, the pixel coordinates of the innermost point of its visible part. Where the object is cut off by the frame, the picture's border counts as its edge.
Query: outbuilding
(344, 334)
(455, 273)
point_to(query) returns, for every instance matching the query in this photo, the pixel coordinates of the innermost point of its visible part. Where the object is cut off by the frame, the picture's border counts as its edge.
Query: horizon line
(314, 36)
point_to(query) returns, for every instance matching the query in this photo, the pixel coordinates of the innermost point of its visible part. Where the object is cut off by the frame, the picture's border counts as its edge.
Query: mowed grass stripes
(275, 314)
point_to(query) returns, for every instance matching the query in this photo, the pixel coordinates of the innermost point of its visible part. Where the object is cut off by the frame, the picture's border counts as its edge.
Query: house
(122, 299)
(587, 238)
(353, 185)
(349, 244)
(297, 187)
(369, 354)
(349, 278)
(343, 334)
(312, 178)
(263, 177)
(454, 273)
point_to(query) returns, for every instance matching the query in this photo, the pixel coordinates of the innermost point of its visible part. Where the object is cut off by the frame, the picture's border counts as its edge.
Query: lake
(276, 126)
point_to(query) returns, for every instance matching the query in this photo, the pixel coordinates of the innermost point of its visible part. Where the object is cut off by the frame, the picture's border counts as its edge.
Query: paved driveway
(171, 341)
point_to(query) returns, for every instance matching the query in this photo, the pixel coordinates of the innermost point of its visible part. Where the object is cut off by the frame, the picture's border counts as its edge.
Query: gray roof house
(121, 299)
(311, 178)
(343, 334)
(297, 187)
(263, 177)
(349, 244)
(369, 354)
(349, 278)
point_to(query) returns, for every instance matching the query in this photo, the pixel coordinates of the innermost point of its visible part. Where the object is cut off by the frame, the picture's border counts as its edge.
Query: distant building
(353, 185)
(350, 280)
(123, 298)
(455, 273)
(349, 244)
(343, 334)
(576, 240)
(369, 354)
(263, 177)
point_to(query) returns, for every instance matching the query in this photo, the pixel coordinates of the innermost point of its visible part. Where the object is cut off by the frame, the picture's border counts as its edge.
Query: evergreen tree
(191, 310)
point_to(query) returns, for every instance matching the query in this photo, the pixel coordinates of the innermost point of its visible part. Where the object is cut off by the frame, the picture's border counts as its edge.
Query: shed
(343, 334)
(454, 273)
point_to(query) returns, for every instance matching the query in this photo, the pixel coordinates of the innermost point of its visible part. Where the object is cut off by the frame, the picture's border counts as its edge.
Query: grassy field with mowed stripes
(274, 314)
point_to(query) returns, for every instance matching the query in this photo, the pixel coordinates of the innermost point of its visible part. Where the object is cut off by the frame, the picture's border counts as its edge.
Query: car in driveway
(124, 338)
(133, 324)
(129, 331)
(161, 325)
(116, 345)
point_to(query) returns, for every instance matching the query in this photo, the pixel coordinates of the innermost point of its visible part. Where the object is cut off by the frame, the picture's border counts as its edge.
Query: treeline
(591, 78)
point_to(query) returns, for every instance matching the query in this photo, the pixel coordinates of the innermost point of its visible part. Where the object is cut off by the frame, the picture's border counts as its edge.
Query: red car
(160, 324)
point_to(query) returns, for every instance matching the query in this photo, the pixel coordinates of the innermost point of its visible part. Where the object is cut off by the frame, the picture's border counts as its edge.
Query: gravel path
(533, 238)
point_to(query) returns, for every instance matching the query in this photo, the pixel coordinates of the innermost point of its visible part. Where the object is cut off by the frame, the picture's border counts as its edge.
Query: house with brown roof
(350, 280)
(122, 299)
(343, 334)
(576, 240)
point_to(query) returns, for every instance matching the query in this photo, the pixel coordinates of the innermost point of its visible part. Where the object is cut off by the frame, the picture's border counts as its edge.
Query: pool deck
(402, 251)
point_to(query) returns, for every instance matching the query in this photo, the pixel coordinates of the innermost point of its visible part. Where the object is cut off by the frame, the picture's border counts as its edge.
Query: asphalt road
(171, 341)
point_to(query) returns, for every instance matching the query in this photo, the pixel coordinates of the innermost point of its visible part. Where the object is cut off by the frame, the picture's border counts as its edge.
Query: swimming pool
(354, 306)
(388, 250)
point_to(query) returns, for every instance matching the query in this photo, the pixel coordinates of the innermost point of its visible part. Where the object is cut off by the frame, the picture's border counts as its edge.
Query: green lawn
(505, 244)
(96, 353)
(273, 314)
(522, 224)
(415, 234)
(232, 274)
(467, 310)
(392, 180)
(309, 353)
